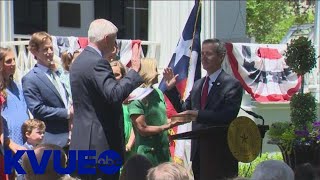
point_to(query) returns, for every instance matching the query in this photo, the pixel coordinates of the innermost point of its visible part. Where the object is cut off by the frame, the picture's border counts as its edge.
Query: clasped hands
(182, 118)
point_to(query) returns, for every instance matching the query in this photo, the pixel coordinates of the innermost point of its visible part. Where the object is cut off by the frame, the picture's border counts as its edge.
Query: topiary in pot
(300, 137)
(301, 58)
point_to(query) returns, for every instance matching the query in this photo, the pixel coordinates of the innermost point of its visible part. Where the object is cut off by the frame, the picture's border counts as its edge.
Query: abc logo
(109, 162)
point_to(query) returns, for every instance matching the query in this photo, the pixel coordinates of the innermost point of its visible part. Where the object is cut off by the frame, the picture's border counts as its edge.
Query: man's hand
(71, 111)
(170, 78)
(192, 113)
(135, 61)
(176, 123)
(135, 64)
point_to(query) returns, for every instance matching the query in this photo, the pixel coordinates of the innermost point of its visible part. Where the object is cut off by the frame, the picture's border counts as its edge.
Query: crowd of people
(38, 112)
(85, 104)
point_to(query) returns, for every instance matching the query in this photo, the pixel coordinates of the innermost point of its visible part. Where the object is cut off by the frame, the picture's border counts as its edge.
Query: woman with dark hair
(2, 99)
(119, 71)
(14, 111)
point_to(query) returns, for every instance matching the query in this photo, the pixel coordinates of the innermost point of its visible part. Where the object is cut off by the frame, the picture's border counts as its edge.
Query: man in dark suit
(98, 96)
(46, 96)
(213, 100)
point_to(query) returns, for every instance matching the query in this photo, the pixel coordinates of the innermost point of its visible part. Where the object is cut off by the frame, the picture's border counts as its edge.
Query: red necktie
(204, 94)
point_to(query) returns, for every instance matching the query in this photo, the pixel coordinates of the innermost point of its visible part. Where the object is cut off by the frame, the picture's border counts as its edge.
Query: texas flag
(186, 62)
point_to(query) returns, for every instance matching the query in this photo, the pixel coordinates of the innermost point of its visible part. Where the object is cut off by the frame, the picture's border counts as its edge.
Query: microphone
(254, 115)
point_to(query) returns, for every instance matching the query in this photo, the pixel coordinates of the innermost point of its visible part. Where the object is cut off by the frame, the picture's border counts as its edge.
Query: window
(69, 15)
(136, 19)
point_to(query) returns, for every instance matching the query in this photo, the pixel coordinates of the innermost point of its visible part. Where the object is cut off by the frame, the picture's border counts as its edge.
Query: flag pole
(194, 32)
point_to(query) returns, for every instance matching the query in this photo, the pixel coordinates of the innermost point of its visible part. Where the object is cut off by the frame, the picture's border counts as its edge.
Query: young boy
(33, 131)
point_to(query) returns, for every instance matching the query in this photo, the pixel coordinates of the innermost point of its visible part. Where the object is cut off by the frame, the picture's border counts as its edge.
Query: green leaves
(282, 131)
(246, 169)
(301, 58)
(303, 110)
(300, 55)
(269, 21)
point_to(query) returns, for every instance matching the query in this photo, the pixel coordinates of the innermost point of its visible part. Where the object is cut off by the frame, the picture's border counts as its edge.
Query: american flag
(262, 71)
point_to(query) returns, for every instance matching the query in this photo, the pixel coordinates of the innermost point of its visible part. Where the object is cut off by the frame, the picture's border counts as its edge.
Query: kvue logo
(108, 162)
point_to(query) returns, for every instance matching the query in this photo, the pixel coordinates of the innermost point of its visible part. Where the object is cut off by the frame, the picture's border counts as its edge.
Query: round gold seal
(244, 139)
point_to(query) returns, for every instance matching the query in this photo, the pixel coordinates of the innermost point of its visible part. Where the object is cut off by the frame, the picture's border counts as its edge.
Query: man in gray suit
(214, 100)
(98, 96)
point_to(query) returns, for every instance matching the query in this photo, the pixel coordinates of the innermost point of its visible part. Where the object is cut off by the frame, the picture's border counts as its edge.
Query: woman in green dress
(149, 118)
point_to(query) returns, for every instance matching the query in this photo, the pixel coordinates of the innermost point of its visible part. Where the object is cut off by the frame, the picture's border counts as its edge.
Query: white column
(166, 22)
(207, 20)
(6, 21)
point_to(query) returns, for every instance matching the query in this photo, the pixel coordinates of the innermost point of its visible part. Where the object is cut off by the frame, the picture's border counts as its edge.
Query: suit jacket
(97, 101)
(44, 101)
(222, 105)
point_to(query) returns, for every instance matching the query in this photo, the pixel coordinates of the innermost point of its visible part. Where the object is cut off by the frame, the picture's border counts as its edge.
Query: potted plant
(298, 140)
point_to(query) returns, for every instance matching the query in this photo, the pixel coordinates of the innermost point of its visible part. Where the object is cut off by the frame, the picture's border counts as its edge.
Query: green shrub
(246, 169)
(282, 133)
(303, 110)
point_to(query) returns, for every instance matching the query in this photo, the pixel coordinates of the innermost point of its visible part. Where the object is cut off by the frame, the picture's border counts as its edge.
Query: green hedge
(245, 170)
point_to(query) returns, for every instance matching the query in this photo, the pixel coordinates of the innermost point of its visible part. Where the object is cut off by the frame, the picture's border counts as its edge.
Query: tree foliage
(269, 21)
(301, 55)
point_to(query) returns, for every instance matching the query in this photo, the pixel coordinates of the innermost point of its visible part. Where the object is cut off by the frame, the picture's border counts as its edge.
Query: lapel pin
(218, 84)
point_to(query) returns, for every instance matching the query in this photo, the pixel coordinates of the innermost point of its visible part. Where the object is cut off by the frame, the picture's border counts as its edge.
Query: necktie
(57, 84)
(204, 94)
(54, 80)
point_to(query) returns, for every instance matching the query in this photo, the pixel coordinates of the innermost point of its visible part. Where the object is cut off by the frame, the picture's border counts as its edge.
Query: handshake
(182, 118)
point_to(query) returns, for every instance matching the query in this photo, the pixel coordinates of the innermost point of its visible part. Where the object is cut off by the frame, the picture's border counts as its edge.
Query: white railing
(25, 60)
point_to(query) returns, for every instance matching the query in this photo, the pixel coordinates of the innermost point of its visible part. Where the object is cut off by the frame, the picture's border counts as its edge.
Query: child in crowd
(33, 132)
(49, 173)
(67, 59)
